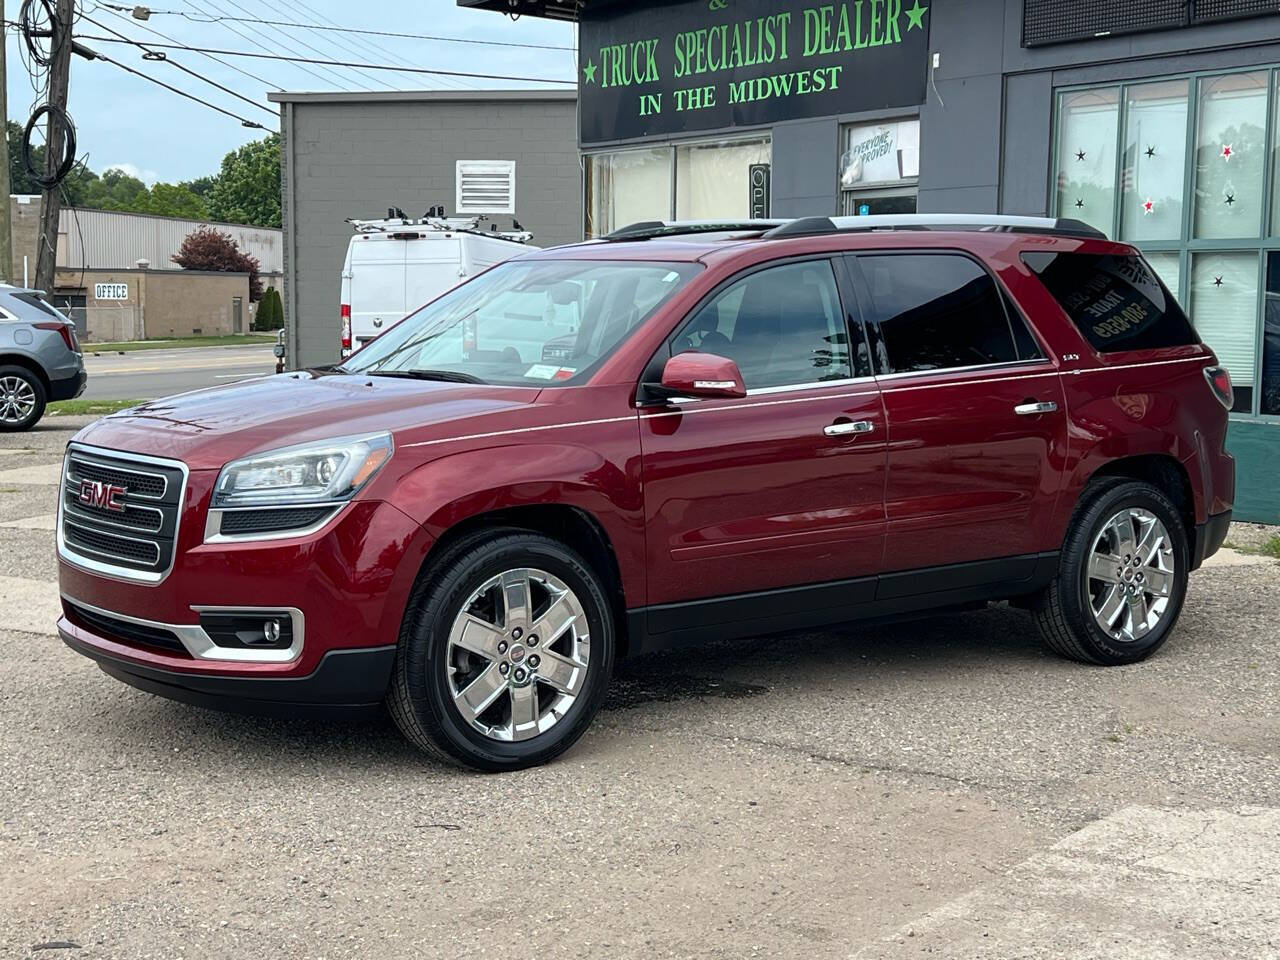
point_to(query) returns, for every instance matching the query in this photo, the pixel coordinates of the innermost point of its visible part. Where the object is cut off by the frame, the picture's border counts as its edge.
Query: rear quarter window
(1116, 301)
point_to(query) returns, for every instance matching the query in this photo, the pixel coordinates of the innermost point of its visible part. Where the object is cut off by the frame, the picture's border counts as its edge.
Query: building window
(627, 187)
(1087, 124)
(1188, 169)
(706, 180)
(879, 167)
(1155, 113)
(713, 180)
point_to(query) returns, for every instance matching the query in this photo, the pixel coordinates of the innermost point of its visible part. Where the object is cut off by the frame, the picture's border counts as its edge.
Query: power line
(165, 36)
(244, 36)
(342, 29)
(244, 121)
(332, 63)
(361, 76)
(378, 50)
(186, 70)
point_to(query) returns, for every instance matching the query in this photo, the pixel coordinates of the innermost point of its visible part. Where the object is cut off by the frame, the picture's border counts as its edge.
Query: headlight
(324, 472)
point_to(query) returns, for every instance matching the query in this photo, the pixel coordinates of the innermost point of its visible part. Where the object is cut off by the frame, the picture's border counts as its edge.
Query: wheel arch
(569, 524)
(28, 364)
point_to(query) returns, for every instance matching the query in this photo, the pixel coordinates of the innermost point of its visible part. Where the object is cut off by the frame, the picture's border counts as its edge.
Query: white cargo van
(396, 265)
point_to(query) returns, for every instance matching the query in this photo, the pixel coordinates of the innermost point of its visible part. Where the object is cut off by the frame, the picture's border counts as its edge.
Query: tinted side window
(1117, 302)
(781, 326)
(937, 311)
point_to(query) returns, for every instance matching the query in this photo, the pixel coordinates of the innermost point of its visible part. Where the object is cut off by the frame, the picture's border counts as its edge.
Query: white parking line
(46, 521)
(29, 606)
(1143, 882)
(45, 473)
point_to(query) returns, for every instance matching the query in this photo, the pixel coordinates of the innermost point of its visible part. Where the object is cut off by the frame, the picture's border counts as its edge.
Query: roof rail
(651, 229)
(816, 226)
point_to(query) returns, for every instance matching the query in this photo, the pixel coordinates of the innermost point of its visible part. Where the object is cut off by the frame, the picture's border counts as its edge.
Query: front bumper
(346, 683)
(344, 586)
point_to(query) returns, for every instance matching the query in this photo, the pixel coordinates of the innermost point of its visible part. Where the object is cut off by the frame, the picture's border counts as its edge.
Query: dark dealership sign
(652, 69)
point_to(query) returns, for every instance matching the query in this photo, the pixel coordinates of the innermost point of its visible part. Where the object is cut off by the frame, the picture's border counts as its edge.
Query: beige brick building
(117, 280)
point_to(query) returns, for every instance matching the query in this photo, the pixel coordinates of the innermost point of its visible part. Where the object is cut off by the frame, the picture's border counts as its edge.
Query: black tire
(419, 699)
(1062, 611)
(37, 388)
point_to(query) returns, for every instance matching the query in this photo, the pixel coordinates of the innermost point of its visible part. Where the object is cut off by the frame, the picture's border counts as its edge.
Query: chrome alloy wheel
(1130, 575)
(517, 655)
(17, 400)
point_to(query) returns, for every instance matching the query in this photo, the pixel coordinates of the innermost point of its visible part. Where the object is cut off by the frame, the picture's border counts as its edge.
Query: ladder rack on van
(404, 225)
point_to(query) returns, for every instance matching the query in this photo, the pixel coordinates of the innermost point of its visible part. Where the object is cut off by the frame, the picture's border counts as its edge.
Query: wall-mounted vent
(486, 186)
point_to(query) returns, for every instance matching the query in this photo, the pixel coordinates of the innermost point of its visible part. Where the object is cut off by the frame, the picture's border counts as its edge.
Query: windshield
(542, 322)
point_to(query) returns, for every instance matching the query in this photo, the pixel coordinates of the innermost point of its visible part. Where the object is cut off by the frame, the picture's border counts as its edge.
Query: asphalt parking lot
(941, 788)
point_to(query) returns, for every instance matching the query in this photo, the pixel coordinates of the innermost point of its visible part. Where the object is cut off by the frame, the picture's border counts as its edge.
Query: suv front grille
(120, 512)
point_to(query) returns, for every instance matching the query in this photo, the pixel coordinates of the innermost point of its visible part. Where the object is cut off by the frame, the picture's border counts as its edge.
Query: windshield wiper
(447, 376)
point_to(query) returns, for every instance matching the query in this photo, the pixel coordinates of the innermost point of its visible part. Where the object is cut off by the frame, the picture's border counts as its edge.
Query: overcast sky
(123, 120)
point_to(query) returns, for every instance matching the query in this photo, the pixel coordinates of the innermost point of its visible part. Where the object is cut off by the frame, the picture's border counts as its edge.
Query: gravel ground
(941, 787)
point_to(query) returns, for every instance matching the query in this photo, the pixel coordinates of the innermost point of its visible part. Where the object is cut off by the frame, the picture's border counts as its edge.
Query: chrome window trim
(970, 368)
(213, 523)
(199, 644)
(110, 570)
(768, 391)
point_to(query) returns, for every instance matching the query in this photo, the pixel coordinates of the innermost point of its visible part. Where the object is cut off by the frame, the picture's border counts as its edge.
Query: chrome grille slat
(121, 521)
(145, 552)
(79, 468)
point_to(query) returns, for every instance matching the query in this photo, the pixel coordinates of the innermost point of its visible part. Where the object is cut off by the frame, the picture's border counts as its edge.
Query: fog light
(258, 630)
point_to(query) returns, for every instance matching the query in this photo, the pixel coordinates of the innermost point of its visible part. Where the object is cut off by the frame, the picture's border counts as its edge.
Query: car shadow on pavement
(729, 671)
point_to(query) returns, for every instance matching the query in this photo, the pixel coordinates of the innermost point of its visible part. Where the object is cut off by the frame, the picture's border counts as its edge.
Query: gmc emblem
(102, 496)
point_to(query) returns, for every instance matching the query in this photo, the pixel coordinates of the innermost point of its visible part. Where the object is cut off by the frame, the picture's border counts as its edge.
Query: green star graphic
(915, 16)
(589, 71)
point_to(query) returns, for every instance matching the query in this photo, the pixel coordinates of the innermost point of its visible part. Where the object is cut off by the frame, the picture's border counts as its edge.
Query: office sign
(654, 69)
(111, 291)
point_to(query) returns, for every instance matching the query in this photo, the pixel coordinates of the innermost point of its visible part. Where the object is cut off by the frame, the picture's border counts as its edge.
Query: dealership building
(1153, 120)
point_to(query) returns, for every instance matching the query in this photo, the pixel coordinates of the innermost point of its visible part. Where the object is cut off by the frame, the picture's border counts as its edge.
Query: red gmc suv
(748, 428)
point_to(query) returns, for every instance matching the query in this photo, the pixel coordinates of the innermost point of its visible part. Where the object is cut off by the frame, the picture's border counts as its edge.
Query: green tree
(200, 186)
(174, 200)
(270, 311)
(248, 185)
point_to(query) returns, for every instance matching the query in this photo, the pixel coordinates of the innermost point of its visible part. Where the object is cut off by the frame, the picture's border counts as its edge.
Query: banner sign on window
(880, 153)
(711, 64)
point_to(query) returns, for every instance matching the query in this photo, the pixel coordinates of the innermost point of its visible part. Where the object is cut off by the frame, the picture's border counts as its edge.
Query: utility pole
(51, 205)
(6, 188)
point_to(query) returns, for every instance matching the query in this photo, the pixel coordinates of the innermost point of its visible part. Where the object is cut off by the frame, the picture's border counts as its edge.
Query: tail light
(1220, 381)
(68, 336)
(346, 326)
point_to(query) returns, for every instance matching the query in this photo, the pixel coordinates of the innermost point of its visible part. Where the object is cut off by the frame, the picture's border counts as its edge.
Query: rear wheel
(1122, 577)
(22, 399)
(505, 653)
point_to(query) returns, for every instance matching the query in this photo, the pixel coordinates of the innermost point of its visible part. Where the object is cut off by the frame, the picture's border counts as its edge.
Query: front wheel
(1122, 577)
(505, 653)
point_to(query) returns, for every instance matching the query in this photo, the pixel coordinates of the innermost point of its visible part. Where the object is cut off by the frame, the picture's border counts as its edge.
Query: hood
(207, 428)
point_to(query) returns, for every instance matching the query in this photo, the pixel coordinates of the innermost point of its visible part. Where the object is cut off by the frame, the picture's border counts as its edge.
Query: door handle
(848, 428)
(1035, 409)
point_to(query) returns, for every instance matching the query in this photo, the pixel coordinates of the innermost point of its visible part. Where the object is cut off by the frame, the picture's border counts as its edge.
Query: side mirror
(694, 374)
